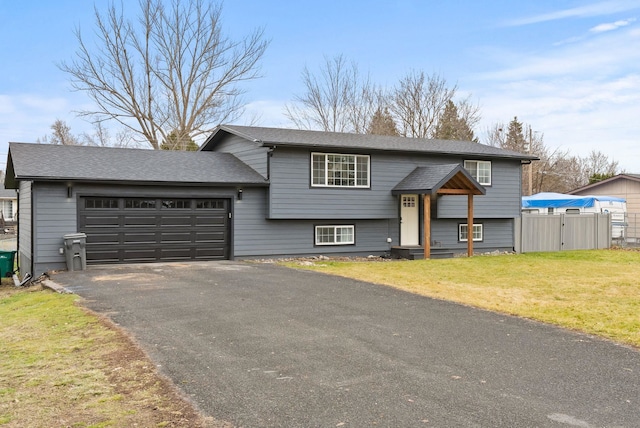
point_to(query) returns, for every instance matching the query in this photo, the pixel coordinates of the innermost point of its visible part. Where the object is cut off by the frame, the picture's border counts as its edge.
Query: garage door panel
(139, 254)
(212, 220)
(176, 237)
(140, 221)
(176, 253)
(103, 256)
(147, 229)
(142, 238)
(103, 238)
(177, 221)
(100, 221)
(210, 253)
(202, 237)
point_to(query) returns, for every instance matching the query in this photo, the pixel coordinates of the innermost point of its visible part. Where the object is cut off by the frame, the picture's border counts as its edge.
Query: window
(480, 170)
(209, 204)
(101, 203)
(337, 170)
(463, 232)
(335, 235)
(176, 204)
(140, 204)
(409, 201)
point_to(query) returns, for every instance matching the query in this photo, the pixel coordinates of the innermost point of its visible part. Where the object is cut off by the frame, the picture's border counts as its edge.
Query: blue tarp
(559, 200)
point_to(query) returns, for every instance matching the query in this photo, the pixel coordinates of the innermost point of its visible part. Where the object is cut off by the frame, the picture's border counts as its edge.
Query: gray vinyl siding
(497, 234)
(24, 228)
(292, 197)
(257, 236)
(54, 215)
(501, 201)
(248, 152)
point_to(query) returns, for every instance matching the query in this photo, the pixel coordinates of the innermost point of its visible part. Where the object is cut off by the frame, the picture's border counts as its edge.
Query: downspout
(269, 155)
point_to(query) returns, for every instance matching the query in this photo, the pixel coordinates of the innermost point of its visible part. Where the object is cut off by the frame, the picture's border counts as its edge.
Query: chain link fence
(630, 236)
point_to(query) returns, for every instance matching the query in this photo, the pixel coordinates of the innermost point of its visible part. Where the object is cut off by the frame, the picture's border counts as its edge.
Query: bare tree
(417, 102)
(337, 99)
(597, 166)
(171, 71)
(61, 134)
(102, 136)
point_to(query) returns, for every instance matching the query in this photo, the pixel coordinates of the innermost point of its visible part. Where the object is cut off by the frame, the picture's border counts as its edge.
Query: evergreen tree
(515, 137)
(175, 141)
(382, 123)
(452, 127)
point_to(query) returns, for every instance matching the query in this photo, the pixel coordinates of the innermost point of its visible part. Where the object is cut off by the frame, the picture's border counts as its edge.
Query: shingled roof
(336, 140)
(430, 179)
(107, 164)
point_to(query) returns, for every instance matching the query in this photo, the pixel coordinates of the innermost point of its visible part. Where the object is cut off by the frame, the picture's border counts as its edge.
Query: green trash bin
(7, 260)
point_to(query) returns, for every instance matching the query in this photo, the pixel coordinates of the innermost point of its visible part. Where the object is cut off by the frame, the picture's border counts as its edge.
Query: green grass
(596, 292)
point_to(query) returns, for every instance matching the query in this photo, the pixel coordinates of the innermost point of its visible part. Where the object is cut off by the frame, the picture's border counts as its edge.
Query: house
(8, 204)
(625, 186)
(254, 192)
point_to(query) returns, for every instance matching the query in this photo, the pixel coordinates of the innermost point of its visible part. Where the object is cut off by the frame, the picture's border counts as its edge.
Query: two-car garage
(126, 229)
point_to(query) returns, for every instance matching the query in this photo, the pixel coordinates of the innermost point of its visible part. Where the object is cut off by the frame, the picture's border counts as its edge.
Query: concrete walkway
(264, 346)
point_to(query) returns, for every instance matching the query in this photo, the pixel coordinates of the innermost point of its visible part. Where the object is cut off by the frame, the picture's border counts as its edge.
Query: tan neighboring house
(625, 186)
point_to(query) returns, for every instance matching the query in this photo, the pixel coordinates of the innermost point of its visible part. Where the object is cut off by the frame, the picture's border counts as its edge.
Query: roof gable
(631, 177)
(358, 142)
(442, 179)
(86, 163)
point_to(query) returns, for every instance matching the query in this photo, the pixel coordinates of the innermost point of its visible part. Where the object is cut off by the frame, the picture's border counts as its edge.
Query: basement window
(335, 235)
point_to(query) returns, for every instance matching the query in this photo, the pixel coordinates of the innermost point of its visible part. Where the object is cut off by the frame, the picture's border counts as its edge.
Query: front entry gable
(450, 179)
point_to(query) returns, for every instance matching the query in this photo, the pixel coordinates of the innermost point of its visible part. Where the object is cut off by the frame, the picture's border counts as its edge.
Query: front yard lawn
(596, 292)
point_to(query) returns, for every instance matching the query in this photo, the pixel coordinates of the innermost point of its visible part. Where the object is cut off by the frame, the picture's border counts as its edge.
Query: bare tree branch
(417, 103)
(172, 71)
(339, 99)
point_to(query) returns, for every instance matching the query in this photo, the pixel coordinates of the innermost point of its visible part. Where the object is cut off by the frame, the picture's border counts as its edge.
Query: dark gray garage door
(123, 230)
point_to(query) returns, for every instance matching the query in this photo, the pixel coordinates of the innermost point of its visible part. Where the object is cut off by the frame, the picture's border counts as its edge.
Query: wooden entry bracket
(426, 241)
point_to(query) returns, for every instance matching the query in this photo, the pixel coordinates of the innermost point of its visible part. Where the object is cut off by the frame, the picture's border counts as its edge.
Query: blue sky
(571, 69)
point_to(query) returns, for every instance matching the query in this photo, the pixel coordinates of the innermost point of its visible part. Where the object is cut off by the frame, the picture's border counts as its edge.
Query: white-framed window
(480, 170)
(335, 235)
(339, 170)
(463, 232)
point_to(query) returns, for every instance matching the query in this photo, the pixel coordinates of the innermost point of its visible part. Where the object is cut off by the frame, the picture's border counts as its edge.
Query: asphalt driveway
(260, 345)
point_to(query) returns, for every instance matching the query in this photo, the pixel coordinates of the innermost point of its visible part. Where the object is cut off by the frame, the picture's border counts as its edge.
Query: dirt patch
(153, 396)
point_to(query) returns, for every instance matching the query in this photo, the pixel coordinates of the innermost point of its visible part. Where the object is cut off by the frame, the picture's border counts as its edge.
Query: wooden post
(426, 241)
(470, 225)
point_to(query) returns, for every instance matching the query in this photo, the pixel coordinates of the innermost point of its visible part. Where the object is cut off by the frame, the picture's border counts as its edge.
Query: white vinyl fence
(557, 232)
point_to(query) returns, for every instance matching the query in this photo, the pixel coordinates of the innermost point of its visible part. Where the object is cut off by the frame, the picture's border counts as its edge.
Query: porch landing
(416, 252)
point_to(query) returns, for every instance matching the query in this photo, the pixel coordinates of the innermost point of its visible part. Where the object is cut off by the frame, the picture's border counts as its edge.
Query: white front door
(409, 219)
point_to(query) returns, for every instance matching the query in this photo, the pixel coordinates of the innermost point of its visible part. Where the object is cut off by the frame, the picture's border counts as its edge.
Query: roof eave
(263, 183)
(396, 150)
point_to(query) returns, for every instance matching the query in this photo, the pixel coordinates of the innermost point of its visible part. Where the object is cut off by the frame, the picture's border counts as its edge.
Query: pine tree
(452, 127)
(382, 123)
(515, 137)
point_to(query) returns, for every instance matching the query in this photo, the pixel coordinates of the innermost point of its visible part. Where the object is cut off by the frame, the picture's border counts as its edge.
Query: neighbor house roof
(8, 193)
(336, 140)
(431, 179)
(107, 164)
(632, 177)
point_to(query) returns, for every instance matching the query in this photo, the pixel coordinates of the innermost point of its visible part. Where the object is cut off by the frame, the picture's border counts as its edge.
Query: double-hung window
(463, 232)
(335, 235)
(339, 170)
(480, 170)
